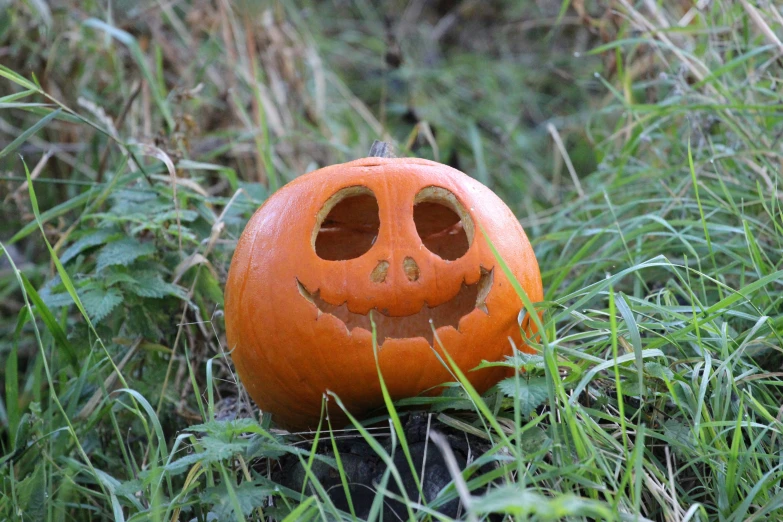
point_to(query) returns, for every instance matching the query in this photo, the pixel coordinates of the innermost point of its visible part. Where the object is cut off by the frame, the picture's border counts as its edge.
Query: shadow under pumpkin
(364, 470)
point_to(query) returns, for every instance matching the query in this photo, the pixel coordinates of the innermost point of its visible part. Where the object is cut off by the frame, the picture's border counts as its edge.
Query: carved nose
(411, 269)
(379, 272)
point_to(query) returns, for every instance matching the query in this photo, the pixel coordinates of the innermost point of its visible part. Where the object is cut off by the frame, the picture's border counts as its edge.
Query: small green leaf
(529, 362)
(678, 436)
(632, 389)
(90, 240)
(57, 300)
(32, 496)
(534, 440)
(150, 284)
(530, 393)
(185, 216)
(249, 494)
(118, 277)
(229, 428)
(215, 450)
(100, 302)
(658, 371)
(123, 252)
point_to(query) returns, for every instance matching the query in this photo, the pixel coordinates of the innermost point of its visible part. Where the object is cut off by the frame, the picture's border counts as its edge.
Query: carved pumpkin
(398, 237)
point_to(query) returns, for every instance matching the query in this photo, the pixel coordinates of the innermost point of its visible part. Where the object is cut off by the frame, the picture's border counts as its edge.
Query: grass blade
(52, 325)
(29, 132)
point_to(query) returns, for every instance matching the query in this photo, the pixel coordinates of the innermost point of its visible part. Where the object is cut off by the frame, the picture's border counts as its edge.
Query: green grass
(136, 141)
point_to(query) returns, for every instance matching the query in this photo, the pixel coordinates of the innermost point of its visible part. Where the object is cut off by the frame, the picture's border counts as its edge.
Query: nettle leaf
(133, 196)
(150, 284)
(187, 235)
(185, 216)
(143, 210)
(90, 240)
(129, 488)
(99, 302)
(659, 371)
(529, 362)
(520, 360)
(530, 393)
(678, 435)
(123, 252)
(227, 429)
(633, 389)
(215, 450)
(57, 300)
(31, 493)
(534, 440)
(249, 494)
(118, 277)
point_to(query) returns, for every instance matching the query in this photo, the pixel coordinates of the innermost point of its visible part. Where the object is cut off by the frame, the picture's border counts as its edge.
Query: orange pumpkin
(399, 237)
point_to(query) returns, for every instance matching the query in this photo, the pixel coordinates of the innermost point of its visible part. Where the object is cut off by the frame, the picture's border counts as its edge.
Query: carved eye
(443, 224)
(347, 225)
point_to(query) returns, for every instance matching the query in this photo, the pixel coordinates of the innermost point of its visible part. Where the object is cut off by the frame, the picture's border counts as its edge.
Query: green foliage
(135, 143)
(521, 503)
(249, 496)
(530, 392)
(99, 301)
(88, 240)
(32, 492)
(122, 252)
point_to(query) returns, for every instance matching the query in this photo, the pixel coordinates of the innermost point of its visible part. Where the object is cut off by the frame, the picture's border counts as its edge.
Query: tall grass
(640, 145)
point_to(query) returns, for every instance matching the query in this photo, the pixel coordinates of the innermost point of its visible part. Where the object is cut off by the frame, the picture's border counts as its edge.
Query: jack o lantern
(397, 237)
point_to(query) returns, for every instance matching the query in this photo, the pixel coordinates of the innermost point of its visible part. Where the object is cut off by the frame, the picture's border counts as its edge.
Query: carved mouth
(445, 315)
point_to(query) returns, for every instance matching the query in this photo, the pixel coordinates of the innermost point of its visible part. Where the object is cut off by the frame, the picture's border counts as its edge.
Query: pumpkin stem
(381, 149)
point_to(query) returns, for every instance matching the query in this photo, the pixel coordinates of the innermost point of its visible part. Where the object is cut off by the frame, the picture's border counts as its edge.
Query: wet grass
(640, 148)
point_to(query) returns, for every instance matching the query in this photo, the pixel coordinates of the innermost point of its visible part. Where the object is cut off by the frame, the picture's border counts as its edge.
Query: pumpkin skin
(297, 323)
